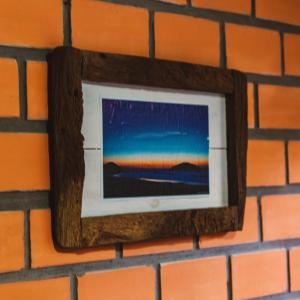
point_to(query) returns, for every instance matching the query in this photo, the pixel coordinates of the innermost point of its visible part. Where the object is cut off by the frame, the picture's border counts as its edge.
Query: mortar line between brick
(223, 58)
(119, 250)
(196, 241)
(280, 296)
(158, 282)
(27, 244)
(286, 159)
(256, 105)
(288, 270)
(23, 200)
(253, 9)
(274, 190)
(274, 80)
(151, 34)
(67, 22)
(282, 60)
(22, 88)
(22, 125)
(229, 277)
(260, 219)
(73, 287)
(273, 134)
(24, 53)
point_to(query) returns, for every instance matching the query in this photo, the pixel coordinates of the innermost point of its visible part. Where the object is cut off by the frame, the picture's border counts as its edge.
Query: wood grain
(237, 141)
(66, 145)
(120, 69)
(147, 226)
(68, 67)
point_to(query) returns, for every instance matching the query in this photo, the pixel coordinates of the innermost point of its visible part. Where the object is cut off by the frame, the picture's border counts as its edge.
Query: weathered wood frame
(67, 68)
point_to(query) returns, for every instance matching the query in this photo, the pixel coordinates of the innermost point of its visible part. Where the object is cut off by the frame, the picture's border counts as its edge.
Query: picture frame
(68, 70)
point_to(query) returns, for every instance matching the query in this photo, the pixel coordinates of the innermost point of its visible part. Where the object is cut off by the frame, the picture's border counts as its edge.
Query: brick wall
(259, 37)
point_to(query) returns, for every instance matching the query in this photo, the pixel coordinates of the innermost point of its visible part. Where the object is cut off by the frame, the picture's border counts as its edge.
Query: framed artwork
(143, 149)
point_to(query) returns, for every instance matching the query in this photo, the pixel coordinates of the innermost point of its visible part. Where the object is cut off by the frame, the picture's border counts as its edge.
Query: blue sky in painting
(149, 130)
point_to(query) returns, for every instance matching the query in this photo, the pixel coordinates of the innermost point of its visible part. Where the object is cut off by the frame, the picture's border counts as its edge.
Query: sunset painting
(154, 149)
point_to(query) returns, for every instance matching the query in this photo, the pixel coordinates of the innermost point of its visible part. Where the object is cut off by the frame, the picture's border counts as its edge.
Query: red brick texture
(246, 49)
(20, 19)
(281, 217)
(35, 290)
(132, 283)
(12, 237)
(237, 6)
(286, 11)
(181, 280)
(108, 27)
(259, 274)
(37, 91)
(294, 255)
(9, 88)
(294, 161)
(279, 106)
(24, 161)
(264, 156)
(181, 38)
(260, 38)
(291, 50)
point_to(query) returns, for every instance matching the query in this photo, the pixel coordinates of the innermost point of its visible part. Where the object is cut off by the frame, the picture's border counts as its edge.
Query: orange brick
(249, 234)
(31, 23)
(195, 279)
(294, 254)
(259, 274)
(246, 49)
(265, 163)
(43, 252)
(182, 38)
(291, 54)
(179, 2)
(24, 161)
(236, 6)
(51, 289)
(159, 246)
(281, 217)
(37, 91)
(294, 161)
(279, 107)
(250, 91)
(109, 27)
(9, 88)
(286, 11)
(12, 241)
(133, 283)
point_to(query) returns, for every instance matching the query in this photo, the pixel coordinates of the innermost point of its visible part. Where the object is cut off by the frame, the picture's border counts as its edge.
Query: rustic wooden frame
(67, 68)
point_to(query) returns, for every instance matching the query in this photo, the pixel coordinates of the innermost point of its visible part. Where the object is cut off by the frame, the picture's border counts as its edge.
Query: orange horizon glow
(156, 162)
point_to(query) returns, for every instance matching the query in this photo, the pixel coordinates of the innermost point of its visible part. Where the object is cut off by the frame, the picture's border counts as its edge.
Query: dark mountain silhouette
(186, 167)
(122, 186)
(111, 168)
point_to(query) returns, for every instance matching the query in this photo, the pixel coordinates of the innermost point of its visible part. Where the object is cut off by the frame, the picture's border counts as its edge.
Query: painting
(154, 149)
